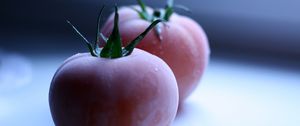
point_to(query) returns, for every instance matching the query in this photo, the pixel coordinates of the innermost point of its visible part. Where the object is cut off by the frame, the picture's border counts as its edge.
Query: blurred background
(252, 79)
(259, 27)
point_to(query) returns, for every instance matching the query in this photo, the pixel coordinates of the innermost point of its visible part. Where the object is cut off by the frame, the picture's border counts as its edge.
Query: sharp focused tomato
(184, 45)
(114, 87)
(137, 90)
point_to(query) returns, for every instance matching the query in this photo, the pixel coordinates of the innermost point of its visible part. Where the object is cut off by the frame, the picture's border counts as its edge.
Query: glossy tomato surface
(136, 90)
(184, 46)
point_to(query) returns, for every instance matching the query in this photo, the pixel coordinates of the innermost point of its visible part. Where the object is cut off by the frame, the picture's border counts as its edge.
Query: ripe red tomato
(137, 90)
(114, 86)
(184, 45)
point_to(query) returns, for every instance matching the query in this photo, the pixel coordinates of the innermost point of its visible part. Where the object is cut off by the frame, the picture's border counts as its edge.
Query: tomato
(136, 90)
(114, 87)
(184, 45)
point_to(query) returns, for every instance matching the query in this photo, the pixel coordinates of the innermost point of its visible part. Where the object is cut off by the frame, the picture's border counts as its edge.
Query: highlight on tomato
(114, 85)
(181, 42)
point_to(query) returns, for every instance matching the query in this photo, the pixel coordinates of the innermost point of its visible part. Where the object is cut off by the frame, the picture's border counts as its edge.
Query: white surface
(230, 94)
(234, 94)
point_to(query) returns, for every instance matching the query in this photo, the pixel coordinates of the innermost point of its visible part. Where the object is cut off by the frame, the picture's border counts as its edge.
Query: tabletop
(230, 94)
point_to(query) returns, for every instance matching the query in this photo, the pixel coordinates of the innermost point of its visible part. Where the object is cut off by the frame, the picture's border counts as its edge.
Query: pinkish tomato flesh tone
(136, 90)
(184, 46)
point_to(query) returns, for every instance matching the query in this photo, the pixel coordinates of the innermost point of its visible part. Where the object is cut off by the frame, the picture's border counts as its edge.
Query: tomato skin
(137, 90)
(184, 46)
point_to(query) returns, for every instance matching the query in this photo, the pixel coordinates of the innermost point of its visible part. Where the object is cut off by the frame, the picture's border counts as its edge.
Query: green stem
(143, 13)
(169, 10)
(129, 48)
(142, 5)
(89, 45)
(164, 14)
(113, 47)
(98, 34)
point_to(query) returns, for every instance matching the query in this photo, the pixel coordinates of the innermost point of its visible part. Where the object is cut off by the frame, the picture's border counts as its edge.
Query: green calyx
(113, 47)
(164, 14)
